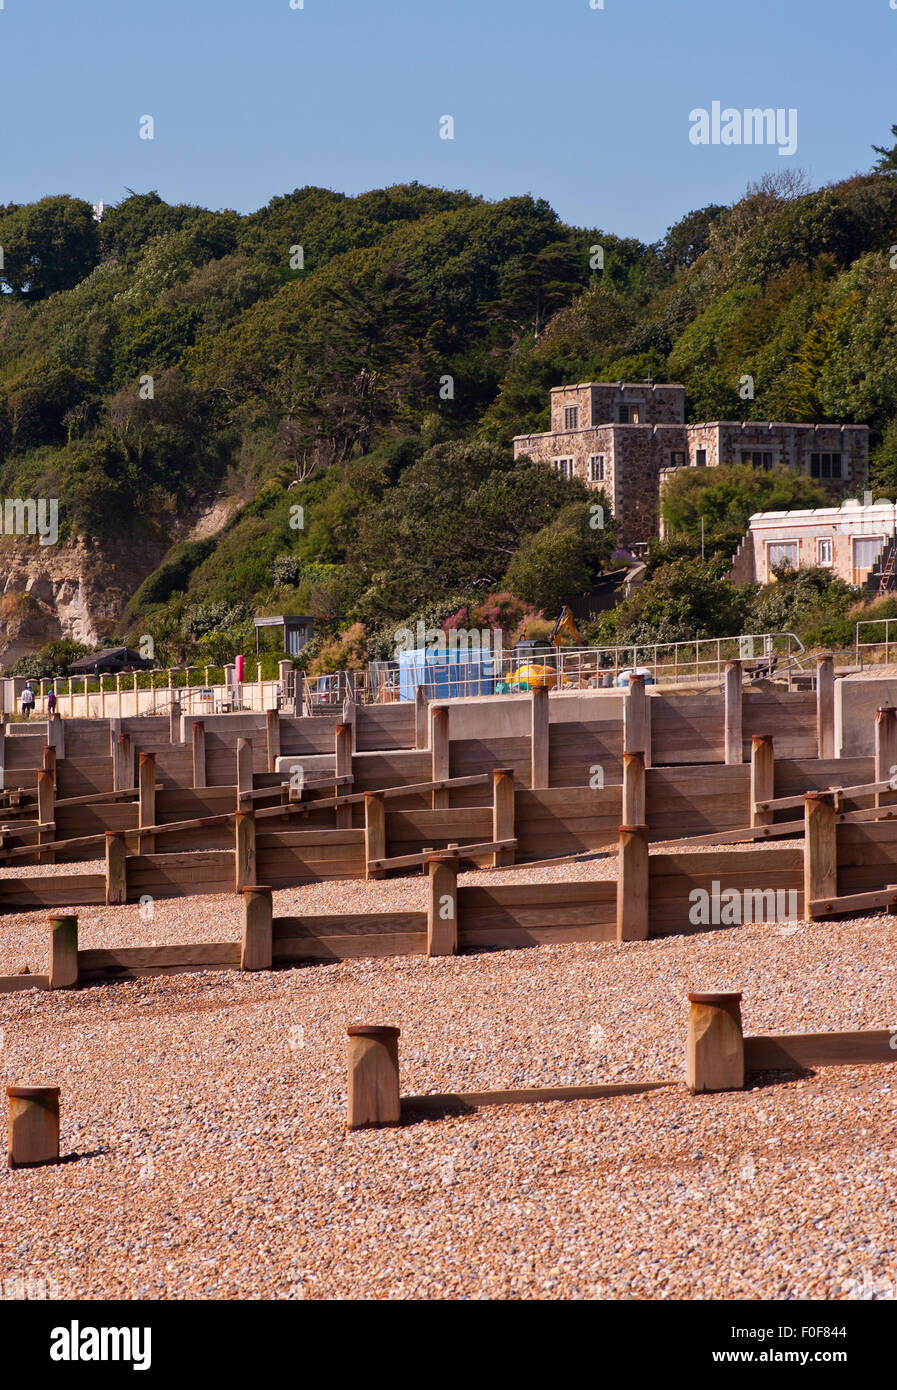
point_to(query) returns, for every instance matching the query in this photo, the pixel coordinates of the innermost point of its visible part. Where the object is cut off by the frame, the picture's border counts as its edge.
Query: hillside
(309, 409)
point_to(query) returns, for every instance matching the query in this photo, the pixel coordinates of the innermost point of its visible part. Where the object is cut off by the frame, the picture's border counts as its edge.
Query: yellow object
(533, 678)
(565, 622)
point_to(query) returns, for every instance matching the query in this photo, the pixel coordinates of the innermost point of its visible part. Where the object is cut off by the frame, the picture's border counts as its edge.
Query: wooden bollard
(174, 722)
(637, 719)
(820, 850)
(116, 868)
(502, 813)
(439, 756)
(49, 759)
(33, 1125)
(442, 907)
(825, 706)
(342, 760)
(885, 750)
(46, 812)
(540, 736)
(272, 737)
(733, 712)
(258, 920)
(714, 1059)
(146, 801)
(421, 701)
(632, 884)
(199, 753)
(244, 858)
(63, 951)
(374, 833)
(373, 1076)
(762, 777)
(244, 773)
(634, 789)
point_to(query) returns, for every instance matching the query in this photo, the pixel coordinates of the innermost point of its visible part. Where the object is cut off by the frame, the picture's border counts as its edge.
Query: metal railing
(883, 648)
(471, 672)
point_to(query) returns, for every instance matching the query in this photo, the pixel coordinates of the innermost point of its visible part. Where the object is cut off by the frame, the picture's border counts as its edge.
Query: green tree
(48, 246)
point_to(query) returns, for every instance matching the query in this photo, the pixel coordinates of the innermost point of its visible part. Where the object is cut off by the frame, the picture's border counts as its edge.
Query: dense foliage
(348, 374)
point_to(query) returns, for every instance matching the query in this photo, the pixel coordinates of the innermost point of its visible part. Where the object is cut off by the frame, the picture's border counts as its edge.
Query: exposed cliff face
(75, 589)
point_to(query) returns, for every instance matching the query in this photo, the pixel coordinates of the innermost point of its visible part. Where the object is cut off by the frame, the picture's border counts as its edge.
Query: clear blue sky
(586, 108)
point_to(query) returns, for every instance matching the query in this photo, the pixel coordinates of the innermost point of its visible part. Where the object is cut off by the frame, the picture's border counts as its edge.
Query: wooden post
(258, 926)
(762, 777)
(825, 706)
(502, 814)
(634, 789)
(714, 1057)
(442, 908)
(885, 751)
(637, 719)
(421, 701)
(820, 849)
(199, 753)
(632, 884)
(3, 719)
(245, 850)
(343, 768)
(272, 733)
(114, 731)
(49, 760)
(63, 952)
(244, 772)
(33, 1125)
(146, 801)
(46, 814)
(122, 766)
(57, 735)
(539, 739)
(174, 721)
(116, 868)
(373, 1076)
(733, 711)
(440, 755)
(374, 833)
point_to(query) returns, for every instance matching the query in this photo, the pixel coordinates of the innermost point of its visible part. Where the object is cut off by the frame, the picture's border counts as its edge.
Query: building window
(564, 467)
(571, 417)
(700, 458)
(865, 552)
(596, 468)
(677, 459)
(629, 414)
(780, 553)
(824, 550)
(825, 466)
(759, 458)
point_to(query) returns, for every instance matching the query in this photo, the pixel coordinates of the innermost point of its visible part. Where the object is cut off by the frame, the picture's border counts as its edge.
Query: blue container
(446, 674)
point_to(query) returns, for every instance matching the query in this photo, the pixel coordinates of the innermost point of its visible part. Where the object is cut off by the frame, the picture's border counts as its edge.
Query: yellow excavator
(537, 676)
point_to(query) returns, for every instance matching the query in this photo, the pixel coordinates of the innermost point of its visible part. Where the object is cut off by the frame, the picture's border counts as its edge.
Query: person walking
(27, 700)
(51, 701)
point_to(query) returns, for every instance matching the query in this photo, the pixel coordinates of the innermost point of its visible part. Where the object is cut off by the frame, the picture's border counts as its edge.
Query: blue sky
(586, 108)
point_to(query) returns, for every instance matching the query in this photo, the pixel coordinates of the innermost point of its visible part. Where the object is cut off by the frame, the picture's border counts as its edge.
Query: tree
(887, 163)
(48, 246)
(725, 498)
(689, 238)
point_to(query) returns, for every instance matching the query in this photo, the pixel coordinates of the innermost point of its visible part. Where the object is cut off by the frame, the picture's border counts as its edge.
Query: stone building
(626, 437)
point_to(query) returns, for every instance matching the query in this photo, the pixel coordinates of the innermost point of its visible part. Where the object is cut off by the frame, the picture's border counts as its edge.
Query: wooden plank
(131, 962)
(10, 984)
(346, 924)
(512, 895)
(745, 833)
(856, 902)
(799, 1051)
(70, 890)
(405, 861)
(336, 948)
